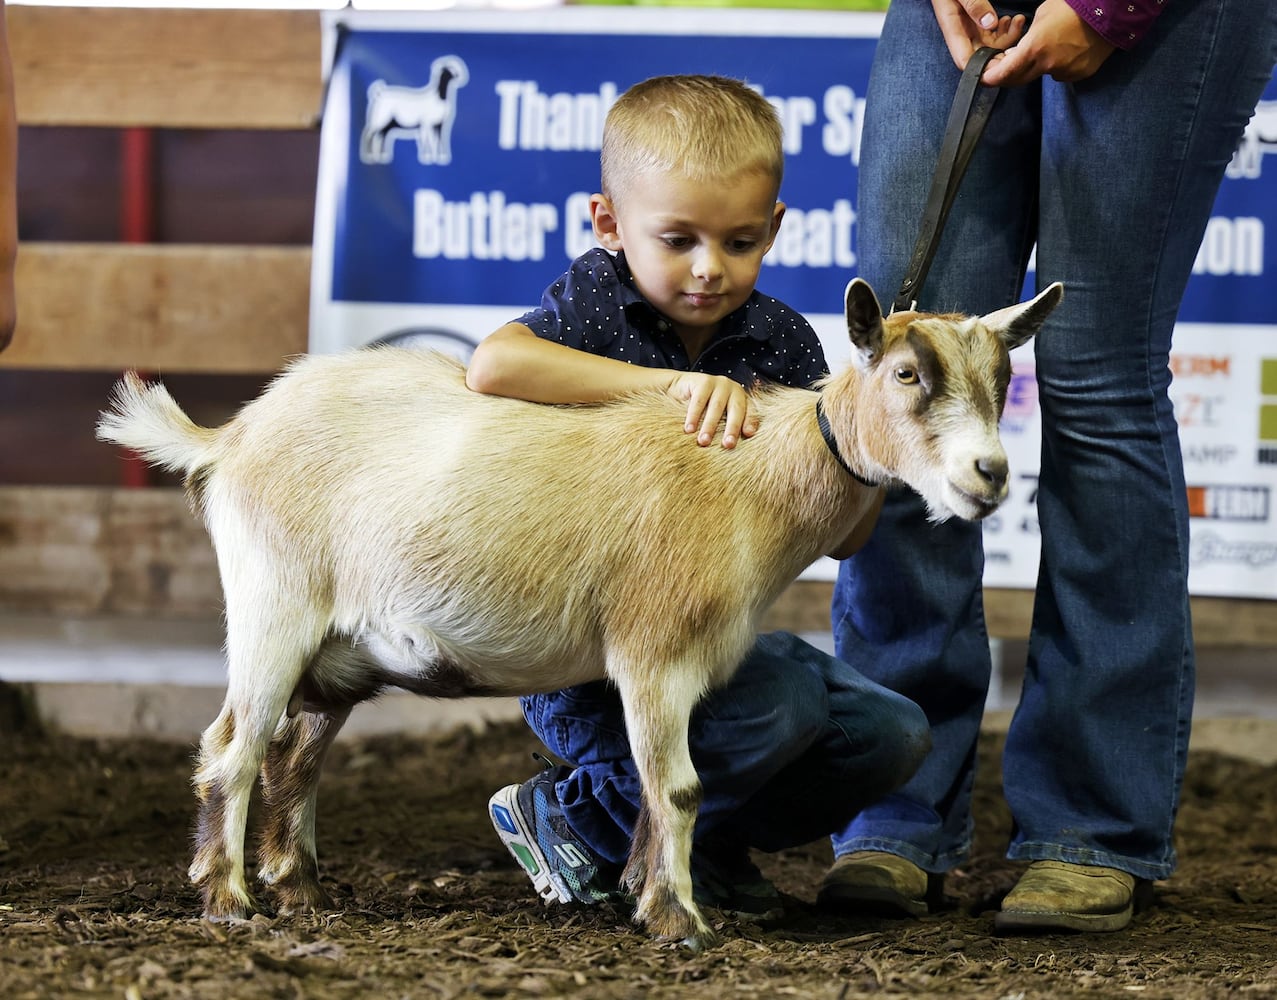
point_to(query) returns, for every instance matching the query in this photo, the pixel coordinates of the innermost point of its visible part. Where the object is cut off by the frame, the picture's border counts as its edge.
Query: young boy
(797, 742)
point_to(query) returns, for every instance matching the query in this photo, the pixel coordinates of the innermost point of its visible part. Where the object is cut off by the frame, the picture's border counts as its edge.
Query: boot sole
(872, 902)
(1028, 920)
(1045, 921)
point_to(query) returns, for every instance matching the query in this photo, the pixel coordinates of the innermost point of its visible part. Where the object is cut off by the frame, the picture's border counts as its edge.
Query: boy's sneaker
(530, 822)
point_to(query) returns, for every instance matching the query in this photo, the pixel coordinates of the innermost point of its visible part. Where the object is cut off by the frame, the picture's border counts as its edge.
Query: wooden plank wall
(160, 307)
(166, 68)
(108, 306)
(214, 309)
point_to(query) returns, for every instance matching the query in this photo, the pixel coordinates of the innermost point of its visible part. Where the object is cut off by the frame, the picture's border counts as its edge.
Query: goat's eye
(907, 376)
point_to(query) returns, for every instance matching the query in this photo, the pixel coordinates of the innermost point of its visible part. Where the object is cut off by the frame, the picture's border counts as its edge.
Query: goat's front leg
(290, 786)
(657, 712)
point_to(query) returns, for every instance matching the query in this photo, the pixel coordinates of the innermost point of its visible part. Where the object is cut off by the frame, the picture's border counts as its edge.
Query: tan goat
(379, 525)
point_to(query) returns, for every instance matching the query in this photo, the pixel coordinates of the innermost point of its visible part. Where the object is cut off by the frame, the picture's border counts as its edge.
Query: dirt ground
(94, 901)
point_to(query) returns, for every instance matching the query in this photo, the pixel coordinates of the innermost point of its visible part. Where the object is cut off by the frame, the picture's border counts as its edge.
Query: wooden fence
(214, 309)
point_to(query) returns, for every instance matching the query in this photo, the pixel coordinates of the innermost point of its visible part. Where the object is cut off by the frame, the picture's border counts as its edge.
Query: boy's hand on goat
(711, 400)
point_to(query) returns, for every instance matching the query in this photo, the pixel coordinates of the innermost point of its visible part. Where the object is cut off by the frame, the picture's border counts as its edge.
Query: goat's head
(936, 386)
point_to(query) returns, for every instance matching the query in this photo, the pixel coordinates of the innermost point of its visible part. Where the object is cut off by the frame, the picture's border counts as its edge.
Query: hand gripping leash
(972, 105)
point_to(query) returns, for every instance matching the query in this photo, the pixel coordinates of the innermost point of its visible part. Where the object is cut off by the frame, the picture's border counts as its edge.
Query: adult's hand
(1058, 44)
(971, 24)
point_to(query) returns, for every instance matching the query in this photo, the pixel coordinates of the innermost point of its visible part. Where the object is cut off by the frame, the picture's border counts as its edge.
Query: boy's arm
(513, 361)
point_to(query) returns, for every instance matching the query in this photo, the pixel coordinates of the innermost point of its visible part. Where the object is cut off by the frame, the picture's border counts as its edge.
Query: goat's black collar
(822, 421)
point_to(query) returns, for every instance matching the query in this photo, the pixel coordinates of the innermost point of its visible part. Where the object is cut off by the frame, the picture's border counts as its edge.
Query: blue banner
(459, 151)
(478, 150)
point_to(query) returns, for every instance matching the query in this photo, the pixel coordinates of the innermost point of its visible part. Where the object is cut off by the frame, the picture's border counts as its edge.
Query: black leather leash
(967, 117)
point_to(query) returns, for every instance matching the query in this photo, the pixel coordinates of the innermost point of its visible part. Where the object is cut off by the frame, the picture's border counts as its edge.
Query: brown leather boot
(878, 883)
(1057, 895)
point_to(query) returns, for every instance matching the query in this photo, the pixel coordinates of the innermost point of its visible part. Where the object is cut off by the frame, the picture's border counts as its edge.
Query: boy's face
(694, 247)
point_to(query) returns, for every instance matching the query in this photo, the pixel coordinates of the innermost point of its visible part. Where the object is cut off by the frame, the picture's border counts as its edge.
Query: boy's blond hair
(703, 127)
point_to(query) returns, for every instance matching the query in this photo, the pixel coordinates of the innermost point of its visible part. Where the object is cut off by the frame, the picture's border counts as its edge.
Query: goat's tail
(145, 418)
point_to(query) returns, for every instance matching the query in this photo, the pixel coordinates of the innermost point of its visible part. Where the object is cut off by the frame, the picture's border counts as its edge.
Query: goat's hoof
(221, 916)
(301, 896)
(700, 941)
(696, 941)
(678, 925)
(225, 906)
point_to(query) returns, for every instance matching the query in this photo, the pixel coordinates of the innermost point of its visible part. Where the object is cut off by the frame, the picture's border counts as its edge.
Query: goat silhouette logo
(1259, 138)
(421, 113)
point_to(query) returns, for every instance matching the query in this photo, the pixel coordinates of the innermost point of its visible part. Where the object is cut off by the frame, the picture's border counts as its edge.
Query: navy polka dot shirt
(596, 307)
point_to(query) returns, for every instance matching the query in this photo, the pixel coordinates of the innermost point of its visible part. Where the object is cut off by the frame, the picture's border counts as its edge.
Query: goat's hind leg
(657, 712)
(338, 677)
(286, 856)
(265, 663)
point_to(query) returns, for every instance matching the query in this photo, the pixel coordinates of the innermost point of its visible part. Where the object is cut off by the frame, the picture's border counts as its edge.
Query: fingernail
(988, 21)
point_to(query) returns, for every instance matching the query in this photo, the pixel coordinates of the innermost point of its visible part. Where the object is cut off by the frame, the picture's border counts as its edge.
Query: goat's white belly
(480, 661)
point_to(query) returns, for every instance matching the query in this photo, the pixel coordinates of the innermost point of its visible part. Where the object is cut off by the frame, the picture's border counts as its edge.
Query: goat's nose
(993, 469)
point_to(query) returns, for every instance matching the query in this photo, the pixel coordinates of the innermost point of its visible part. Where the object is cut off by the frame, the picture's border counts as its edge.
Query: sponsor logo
(1195, 409)
(1267, 452)
(1229, 503)
(1028, 523)
(1200, 366)
(1209, 454)
(1022, 395)
(1211, 548)
(422, 114)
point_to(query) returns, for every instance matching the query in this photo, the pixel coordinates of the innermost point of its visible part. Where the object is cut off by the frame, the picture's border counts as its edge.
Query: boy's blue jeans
(1114, 178)
(787, 751)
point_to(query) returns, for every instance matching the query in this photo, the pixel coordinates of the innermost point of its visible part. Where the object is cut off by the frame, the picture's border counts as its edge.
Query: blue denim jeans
(787, 751)
(1113, 178)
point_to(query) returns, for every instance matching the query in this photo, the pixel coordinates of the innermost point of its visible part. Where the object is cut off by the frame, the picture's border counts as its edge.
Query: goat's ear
(864, 322)
(1017, 324)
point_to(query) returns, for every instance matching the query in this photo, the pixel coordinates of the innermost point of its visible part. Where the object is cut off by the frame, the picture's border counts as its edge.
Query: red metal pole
(137, 225)
(137, 185)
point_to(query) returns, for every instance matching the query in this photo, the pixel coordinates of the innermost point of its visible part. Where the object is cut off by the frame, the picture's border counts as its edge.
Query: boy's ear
(603, 217)
(777, 215)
